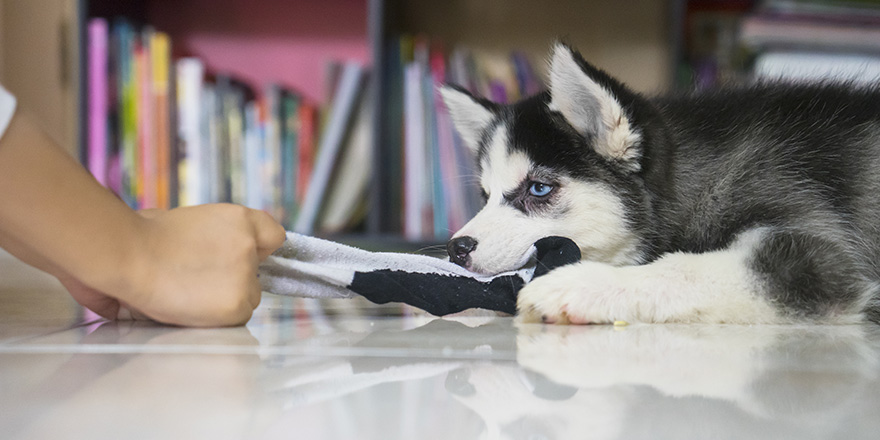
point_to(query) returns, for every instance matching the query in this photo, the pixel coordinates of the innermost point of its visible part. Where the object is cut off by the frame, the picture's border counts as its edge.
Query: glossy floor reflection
(353, 371)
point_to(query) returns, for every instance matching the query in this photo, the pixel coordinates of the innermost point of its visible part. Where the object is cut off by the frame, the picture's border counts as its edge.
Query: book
(190, 73)
(414, 151)
(208, 164)
(218, 143)
(114, 67)
(434, 67)
(308, 121)
(845, 11)
(232, 127)
(126, 112)
(98, 111)
(332, 74)
(290, 106)
(272, 153)
(146, 147)
(766, 31)
(818, 66)
(462, 71)
(528, 82)
(388, 204)
(160, 53)
(340, 116)
(252, 156)
(347, 196)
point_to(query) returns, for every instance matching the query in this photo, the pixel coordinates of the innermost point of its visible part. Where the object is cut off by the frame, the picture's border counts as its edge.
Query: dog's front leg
(712, 287)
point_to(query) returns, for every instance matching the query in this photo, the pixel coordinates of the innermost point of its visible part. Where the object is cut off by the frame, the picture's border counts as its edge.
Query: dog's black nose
(459, 250)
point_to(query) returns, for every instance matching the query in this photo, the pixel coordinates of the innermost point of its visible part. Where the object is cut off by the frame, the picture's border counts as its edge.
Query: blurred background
(326, 114)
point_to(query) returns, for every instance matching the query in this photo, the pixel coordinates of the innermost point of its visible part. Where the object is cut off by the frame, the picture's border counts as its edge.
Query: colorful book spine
(289, 158)
(273, 160)
(308, 119)
(435, 212)
(160, 61)
(98, 112)
(234, 107)
(146, 176)
(529, 84)
(127, 113)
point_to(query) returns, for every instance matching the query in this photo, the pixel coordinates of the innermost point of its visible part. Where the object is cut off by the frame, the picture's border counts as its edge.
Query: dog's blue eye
(539, 189)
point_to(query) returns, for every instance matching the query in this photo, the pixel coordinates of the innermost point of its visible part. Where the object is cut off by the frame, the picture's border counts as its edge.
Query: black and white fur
(758, 204)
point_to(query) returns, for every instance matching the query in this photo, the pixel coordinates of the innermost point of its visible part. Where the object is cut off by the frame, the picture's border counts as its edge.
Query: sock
(316, 268)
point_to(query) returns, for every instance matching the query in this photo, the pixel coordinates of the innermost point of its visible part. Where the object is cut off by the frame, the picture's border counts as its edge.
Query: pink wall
(263, 41)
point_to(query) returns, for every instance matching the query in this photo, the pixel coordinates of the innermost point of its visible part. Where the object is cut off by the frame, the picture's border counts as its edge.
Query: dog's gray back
(774, 154)
(799, 158)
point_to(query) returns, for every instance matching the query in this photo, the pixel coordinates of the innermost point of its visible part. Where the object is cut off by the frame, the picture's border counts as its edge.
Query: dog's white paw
(582, 293)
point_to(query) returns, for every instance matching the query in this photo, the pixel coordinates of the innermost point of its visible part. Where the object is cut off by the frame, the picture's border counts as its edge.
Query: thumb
(268, 233)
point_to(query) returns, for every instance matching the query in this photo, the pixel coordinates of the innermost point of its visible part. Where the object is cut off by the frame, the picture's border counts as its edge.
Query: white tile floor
(352, 371)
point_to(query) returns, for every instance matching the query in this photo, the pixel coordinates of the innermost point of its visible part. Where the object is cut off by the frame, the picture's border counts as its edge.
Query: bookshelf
(288, 41)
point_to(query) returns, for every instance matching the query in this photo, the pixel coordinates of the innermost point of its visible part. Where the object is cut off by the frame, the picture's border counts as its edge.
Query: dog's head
(566, 162)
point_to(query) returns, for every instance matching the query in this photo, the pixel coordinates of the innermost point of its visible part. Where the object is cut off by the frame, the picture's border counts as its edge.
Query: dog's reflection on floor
(732, 381)
(640, 381)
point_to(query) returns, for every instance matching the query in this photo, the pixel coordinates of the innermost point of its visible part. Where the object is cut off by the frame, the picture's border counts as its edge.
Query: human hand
(97, 301)
(192, 266)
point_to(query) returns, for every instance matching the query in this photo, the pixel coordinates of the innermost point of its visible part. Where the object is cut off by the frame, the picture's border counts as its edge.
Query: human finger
(269, 233)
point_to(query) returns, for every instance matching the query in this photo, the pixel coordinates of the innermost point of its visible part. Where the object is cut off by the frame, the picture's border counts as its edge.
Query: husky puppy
(752, 205)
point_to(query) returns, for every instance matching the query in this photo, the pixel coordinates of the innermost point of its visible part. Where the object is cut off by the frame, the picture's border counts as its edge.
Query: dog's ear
(471, 116)
(584, 97)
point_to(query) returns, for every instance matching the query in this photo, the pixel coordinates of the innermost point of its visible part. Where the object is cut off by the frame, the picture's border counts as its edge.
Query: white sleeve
(7, 108)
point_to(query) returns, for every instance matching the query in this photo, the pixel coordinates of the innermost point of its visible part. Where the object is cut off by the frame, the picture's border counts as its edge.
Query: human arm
(188, 266)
